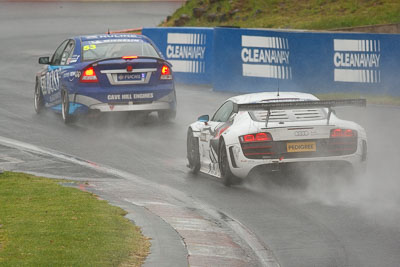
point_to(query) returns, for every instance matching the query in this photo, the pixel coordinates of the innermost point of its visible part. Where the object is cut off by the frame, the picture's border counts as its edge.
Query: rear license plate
(125, 77)
(301, 147)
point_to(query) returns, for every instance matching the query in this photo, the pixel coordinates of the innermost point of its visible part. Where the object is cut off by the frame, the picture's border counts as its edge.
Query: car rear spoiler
(94, 63)
(301, 104)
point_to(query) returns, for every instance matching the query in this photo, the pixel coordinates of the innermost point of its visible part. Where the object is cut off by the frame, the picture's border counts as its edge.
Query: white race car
(270, 131)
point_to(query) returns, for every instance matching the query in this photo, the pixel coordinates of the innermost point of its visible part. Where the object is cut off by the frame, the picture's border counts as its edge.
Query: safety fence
(254, 60)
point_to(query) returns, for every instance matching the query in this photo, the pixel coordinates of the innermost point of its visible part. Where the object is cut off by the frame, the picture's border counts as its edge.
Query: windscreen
(111, 48)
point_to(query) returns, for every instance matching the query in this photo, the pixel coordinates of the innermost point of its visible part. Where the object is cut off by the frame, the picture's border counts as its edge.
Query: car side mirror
(204, 118)
(44, 60)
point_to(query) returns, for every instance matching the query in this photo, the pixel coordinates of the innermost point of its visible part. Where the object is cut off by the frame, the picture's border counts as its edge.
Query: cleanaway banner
(266, 57)
(256, 60)
(189, 50)
(357, 61)
(264, 60)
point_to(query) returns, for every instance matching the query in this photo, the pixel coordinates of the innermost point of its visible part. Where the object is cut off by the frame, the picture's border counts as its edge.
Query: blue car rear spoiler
(300, 104)
(139, 57)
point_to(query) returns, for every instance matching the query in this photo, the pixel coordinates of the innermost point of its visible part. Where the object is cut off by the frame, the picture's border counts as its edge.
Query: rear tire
(226, 174)
(67, 118)
(38, 99)
(193, 153)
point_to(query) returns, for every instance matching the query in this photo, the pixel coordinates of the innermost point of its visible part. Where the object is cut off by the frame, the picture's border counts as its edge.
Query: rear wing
(301, 104)
(129, 59)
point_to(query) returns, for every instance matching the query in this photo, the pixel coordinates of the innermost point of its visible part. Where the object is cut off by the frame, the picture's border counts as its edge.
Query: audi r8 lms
(270, 132)
(106, 73)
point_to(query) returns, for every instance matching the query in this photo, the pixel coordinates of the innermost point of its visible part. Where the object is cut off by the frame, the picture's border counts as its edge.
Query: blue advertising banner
(261, 60)
(189, 50)
(254, 60)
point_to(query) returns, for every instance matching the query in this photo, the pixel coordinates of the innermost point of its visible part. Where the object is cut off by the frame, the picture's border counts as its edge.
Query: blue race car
(106, 73)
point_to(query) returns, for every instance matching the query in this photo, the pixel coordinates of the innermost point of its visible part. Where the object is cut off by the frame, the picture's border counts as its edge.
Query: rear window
(99, 49)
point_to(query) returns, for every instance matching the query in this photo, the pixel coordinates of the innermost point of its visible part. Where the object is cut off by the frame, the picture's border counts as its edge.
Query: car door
(53, 73)
(210, 135)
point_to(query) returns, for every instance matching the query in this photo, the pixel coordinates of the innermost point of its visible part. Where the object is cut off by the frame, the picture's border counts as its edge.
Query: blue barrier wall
(249, 60)
(190, 51)
(261, 60)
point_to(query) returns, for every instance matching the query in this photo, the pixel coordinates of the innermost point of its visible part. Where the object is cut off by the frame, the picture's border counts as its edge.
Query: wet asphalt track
(308, 221)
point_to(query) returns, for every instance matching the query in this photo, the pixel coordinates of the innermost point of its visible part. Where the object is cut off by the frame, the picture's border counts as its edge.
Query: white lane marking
(8, 160)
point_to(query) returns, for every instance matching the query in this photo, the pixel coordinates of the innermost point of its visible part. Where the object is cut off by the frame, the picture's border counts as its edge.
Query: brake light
(258, 137)
(89, 76)
(337, 133)
(165, 70)
(263, 137)
(129, 57)
(165, 73)
(248, 138)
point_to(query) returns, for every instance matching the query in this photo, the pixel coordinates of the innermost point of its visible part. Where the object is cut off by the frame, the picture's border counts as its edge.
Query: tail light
(338, 133)
(258, 137)
(165, 73)
(129, 57)
(89, 76)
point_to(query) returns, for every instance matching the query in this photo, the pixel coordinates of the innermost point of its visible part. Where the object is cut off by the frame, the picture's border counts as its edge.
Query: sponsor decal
(73, 59)
(130, 96)
(186, 52)
(266, 57)
(70, 75)
(131, 76)
(94, 42)
(357, 61)
(203, 137)
(107, 36)
(301, 133)
(141, 96)
(301, 147)
(113, 97)
(50, 82)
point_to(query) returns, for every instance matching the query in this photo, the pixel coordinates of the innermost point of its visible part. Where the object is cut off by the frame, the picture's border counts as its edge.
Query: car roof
(271, 96)
(105, 36)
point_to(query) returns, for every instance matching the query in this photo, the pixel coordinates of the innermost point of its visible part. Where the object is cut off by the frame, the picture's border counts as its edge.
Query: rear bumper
(132, 107)
(242, 166)
(86, 102)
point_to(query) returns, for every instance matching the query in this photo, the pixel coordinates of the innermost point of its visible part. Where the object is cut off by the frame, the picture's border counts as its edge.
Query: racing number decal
(89, 47)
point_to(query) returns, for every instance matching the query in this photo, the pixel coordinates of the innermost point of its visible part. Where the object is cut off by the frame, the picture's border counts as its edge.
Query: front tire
(38, 99)
(67, 118)
(226, 174)
(193, 153)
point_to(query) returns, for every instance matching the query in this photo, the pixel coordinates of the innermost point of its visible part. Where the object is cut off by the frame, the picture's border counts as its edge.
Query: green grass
(45, 224)
(290, 14)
